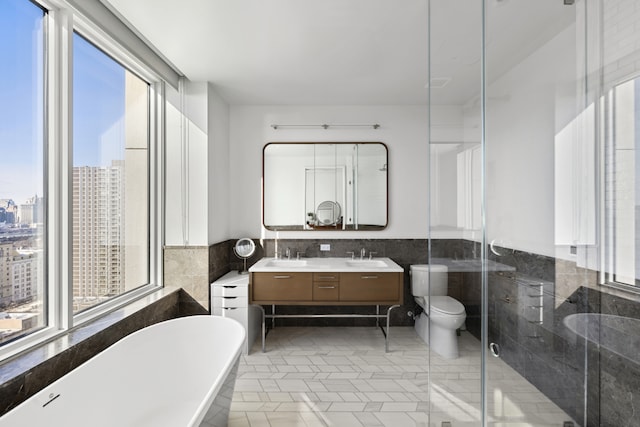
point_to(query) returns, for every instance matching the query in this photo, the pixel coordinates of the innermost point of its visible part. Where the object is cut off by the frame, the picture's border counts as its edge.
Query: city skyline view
(108, 172)
(98, 103)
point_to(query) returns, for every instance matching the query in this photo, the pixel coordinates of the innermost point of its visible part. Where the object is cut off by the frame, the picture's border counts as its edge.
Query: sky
(98, 102)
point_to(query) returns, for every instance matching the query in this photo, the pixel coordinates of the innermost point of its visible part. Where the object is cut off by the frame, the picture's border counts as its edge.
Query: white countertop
(232, 278)
(344, 265)
(471, 265)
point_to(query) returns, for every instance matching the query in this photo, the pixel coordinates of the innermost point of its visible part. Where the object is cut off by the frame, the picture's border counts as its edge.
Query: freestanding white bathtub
(176, 373)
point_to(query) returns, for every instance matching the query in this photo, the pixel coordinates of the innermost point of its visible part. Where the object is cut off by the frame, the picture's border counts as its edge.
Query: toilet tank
(425, 276)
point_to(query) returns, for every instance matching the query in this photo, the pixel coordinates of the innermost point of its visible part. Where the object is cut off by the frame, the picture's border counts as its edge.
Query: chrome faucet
(371, 254)
(353, 254)
(298, 254)
(288, 253)
(362, 253)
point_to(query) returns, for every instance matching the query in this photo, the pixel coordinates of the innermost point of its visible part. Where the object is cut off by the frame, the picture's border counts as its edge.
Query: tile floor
(342, 377)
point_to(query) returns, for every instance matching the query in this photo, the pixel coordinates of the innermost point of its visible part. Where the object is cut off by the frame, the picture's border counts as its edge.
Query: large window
(623, 184)
(110, 177)
(79, 209)
(23, 301)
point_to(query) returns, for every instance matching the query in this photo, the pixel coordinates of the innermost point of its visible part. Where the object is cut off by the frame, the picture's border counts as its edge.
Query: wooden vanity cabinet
(281, 288)
(326, 288)
(372, 288)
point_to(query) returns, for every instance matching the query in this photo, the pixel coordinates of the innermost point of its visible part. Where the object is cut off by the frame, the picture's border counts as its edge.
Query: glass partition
(534, 188)
(456, 211)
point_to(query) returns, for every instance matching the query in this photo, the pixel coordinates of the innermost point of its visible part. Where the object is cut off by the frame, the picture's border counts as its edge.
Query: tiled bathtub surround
(28, 373)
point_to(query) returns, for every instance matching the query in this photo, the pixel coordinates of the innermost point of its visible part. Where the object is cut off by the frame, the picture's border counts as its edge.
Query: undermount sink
(366, 263)
(287, 263)
(324, 264)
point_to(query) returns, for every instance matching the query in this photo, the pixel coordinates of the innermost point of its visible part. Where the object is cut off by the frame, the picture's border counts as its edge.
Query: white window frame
(61, 20)
(608, 254)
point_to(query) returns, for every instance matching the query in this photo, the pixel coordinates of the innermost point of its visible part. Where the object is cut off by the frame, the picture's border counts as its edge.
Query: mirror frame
(328, 228)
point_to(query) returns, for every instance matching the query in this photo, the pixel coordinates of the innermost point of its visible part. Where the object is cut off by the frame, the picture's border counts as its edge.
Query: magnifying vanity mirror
(325, 186)
(328, 214)
(244, 249)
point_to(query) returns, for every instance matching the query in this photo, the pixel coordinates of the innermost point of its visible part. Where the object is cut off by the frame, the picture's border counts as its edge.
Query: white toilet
(442, 314)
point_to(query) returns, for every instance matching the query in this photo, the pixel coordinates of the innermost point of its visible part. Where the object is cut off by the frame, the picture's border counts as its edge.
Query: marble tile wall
(545, 352)
(193, 268)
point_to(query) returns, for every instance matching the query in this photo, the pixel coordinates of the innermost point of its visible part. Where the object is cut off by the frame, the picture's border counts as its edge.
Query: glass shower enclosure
(534, 204)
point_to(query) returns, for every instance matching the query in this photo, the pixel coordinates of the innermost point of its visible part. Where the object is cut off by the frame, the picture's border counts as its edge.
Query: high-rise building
(30, 212)
(98, 238)
(10, 211)
(6, 288)
(20, 270)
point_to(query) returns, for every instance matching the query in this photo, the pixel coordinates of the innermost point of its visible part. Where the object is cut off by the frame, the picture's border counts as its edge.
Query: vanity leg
(273, 319)
(386, 337)
(264, 329)
(377, 314)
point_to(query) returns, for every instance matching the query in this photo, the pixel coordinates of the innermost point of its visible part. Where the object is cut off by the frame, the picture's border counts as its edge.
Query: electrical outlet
(325, 247)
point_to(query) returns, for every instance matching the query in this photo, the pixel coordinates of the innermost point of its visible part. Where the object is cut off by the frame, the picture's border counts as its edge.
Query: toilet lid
(446, 305)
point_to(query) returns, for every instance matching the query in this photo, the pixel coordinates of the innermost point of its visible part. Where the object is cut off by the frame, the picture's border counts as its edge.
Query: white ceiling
(332, 52)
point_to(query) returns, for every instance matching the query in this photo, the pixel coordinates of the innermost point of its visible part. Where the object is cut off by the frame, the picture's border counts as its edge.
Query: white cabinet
(230, 298)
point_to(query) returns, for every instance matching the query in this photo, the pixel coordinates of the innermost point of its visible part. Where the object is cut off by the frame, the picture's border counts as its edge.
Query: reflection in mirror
(328, 213)
(325, 186)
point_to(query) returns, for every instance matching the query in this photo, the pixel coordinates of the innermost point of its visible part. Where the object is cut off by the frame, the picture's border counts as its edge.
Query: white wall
(526, 108)
(197, 171)
(219, 170)
(402, 128)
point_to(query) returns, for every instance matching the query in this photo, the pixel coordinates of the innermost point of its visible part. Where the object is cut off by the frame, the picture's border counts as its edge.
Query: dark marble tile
(619, 390)
(219, 259)
(188, 306)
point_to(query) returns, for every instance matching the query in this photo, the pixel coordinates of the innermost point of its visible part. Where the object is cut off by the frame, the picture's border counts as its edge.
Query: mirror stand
(244, 249)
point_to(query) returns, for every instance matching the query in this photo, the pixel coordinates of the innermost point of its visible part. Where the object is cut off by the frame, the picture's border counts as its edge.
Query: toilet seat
(442, 305)
(446, 305)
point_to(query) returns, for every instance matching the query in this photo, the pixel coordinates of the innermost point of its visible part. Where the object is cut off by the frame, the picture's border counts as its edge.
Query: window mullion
(59, 157)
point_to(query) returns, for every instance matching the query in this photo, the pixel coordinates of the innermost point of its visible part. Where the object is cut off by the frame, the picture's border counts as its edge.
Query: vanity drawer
(326, 291)
(240, 301)
(286, 286)
(377, 288)
(230, 291)
(326, 277)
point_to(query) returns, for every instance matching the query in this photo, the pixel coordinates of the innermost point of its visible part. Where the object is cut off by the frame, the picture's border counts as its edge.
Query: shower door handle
(495, 349)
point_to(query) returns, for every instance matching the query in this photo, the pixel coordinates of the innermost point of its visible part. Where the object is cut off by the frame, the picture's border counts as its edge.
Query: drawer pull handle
(327, 277)
(282, 277)
(229, 297)
(229, 308)
(326, 287)
(229, 287)
(369, 277)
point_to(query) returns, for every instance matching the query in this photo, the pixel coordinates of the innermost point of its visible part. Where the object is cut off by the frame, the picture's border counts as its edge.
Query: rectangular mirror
(325, 186)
